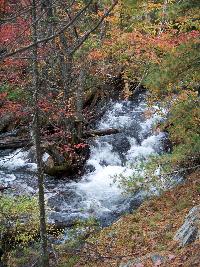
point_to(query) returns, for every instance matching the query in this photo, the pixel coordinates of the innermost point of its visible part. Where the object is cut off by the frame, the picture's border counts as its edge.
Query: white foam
(102, 153)
(45, 157)
(99, 187)
(6, 178)
(16, 160)
(99, 191)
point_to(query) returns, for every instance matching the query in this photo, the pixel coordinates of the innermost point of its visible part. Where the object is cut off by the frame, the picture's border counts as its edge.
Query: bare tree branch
(86, 36)
(23, 49)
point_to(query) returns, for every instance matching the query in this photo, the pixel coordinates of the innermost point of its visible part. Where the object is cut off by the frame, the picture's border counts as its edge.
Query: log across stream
(17, 142)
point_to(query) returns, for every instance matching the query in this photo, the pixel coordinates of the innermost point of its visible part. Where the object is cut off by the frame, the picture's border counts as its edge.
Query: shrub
(19, 220)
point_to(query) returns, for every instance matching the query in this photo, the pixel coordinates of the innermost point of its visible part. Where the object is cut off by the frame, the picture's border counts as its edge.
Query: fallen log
(14, 143)
(94, 133)
(2, 188)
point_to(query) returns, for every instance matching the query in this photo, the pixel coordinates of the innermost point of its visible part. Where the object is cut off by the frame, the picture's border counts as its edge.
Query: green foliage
(184, 133)
(76, 237)
(81, 230)
(13, 94)
(24, 255)
(19, 219)
(179, 69)
(184, 120)
(181, 205)
(145, 177)
(71, 261)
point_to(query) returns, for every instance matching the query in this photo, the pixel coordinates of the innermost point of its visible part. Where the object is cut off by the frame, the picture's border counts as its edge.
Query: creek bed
(95, 194)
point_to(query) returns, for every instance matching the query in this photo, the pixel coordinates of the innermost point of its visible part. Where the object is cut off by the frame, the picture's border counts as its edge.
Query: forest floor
(145, 237)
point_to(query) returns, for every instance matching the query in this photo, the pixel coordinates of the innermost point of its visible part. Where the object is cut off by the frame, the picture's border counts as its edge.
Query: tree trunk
(79, 103)
(37, 141)
(66, 67)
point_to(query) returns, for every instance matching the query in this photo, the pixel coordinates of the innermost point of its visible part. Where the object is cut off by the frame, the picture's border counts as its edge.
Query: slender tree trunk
(37, 141)
(164, 17)
(67, 66)
(79, 103)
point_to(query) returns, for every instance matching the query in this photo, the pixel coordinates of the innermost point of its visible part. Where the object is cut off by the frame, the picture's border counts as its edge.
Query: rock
(65, 199)
(49, 162)
(190, 230)
(56, 164)
(121, 144)
(64, 219)
(6, 122)
(53, 151)
(32, 154)
(136, 201)
(1, 253)
(157, 259)
(89, 168)
(53, 170)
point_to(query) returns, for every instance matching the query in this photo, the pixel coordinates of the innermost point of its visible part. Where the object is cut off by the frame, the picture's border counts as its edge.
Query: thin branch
(23, 49)
(4, 20)
(86, 36)
(74, 27)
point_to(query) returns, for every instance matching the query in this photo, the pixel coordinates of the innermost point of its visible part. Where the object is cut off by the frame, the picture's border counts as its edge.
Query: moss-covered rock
(59, 170)
(67, 164)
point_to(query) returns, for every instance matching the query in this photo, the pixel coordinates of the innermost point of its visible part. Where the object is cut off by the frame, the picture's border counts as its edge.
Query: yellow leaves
(152, 6)
(127, 92)
(184, 95)
(148, 113)
(112, 19)
(96, 55)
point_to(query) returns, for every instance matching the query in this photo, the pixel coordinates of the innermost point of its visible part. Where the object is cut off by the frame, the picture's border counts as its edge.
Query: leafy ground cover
(148, 232)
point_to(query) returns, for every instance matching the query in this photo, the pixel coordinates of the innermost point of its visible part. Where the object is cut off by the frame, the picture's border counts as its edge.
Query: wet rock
(104, 163)
(65, 199)
(62, 219)
(107, 218)
(157, 259)
(56, 164)
(1, 253)
(53, 151)
(190, 230)
(166, 144)
(53, 170)
(89, 168)
(121, 144)
(31, 154)
(48, 161)
(136, 201)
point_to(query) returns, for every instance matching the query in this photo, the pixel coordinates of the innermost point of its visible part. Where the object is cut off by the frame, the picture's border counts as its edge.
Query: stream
(96, 194)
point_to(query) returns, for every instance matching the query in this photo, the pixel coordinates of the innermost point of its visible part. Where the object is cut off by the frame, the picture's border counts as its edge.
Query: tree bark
(37, 140)
(79, 103)
(15, 143)
(94, 133)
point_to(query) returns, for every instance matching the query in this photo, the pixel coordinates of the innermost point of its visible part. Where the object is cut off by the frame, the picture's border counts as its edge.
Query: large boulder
(68, 164)
(53, 168)
(190, 230)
